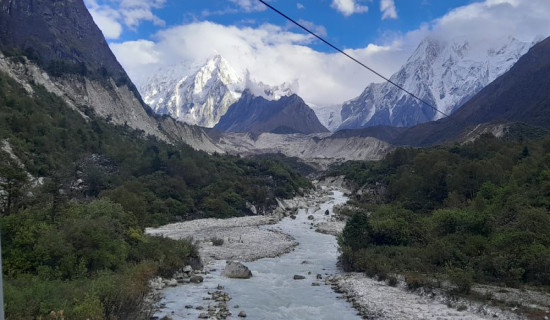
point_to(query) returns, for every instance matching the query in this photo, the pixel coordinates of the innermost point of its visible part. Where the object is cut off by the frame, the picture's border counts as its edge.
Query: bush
(462, 279)
(217, 241)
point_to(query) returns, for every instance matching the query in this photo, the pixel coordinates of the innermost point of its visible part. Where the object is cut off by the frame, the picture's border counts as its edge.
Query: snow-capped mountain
(199, 98)
(444, 73)
(329, 116)
(202, 95)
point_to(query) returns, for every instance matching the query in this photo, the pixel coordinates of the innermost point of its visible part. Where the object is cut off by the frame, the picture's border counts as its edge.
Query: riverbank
(270, 245)
(378, 300)
(287, 286)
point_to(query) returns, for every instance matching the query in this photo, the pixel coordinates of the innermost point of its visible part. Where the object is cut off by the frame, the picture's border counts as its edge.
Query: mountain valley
(203, 185)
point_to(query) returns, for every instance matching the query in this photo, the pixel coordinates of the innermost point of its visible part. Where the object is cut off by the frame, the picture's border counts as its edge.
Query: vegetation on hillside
(75, 205)
(476, 212)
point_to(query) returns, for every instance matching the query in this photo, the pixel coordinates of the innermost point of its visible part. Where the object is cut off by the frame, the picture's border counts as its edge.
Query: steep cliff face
(57, 44)
(57, 31)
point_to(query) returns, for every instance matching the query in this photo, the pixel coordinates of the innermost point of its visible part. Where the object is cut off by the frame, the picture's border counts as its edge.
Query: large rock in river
(237, 270)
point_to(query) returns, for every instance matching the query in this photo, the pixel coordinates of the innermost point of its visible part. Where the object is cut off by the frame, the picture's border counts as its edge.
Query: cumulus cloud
(272, 54)
(387, 7)
(110, 16)
(249, 5)
(317, 29)
(107, 20)
(300, 6)
(348, 7)
(276, 54)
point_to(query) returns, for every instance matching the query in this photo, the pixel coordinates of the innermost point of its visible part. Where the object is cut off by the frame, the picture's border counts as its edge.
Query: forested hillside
(77, 194)
(475, 212)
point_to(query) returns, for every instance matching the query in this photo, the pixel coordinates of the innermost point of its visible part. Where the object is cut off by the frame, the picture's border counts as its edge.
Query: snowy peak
(201, 95)
(444, 73)
(216, 72)
(260, 89)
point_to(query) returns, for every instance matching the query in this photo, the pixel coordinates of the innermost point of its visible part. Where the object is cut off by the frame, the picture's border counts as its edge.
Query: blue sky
(345, 29)
(151, 35)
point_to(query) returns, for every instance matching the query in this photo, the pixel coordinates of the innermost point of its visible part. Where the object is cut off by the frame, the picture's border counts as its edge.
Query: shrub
(217, 241)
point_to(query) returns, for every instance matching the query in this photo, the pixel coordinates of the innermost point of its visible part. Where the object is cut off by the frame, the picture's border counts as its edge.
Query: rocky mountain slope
(289, 114)
(520, 95)
(57, 44)
(444, 73)
(314, 148)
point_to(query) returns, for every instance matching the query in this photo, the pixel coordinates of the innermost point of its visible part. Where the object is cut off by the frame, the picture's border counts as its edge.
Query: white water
(272, 293)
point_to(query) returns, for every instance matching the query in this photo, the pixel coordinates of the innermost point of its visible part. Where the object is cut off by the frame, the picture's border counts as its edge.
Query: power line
(352, 58)
(361, 63)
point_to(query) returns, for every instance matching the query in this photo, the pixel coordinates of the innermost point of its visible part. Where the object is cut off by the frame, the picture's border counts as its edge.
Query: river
(272, 293)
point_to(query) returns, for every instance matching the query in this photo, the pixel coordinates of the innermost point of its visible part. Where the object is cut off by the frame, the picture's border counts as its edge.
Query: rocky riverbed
(294, 272)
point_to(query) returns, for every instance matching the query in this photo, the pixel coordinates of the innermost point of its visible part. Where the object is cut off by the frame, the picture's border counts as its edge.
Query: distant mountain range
(520, 95)
(444, 73)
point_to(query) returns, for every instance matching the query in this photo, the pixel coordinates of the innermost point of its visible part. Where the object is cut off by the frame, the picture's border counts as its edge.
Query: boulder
(236, 270)
(197, 279)
(242, 314)
(188, 269)
(310, 217)
(298, 277)
(203, 315)
(172, 283)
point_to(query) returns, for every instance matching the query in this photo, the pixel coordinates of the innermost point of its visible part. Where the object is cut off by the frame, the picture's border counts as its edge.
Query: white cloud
(275, 54)
(249, 5)
(300, 6)
(110, 16)
(387, 7)
(317, 29)
(107, 20)
(271, 53)
(348, 7)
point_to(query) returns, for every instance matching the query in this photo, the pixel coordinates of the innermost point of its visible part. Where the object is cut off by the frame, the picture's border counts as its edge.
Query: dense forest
(477, 212)
(76, 195)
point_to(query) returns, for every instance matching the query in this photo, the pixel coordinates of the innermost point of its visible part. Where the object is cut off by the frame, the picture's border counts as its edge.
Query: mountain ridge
(444, 73)
(521, 95)
(289, 114)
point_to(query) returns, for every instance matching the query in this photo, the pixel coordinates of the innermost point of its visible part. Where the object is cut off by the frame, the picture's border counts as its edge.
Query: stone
(188, 306)
(203, 315)
(315, 284)
(188, 269)
(319, 276)
(197, 279)
(200, 308)
(236, 270)
(310, 217)
(172, 283)
(298, 277)
(242, 314)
